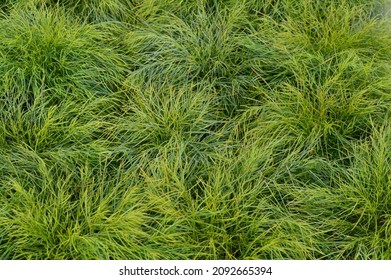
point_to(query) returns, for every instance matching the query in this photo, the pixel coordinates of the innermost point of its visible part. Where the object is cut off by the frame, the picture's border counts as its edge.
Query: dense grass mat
(195, 129)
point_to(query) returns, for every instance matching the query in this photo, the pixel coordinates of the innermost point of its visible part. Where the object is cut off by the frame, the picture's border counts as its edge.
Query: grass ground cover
(210, 129)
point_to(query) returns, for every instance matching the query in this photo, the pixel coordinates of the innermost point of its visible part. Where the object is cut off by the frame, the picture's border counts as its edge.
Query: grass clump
(201, 48)
(189, 129)
(43, 50)
(359, 202)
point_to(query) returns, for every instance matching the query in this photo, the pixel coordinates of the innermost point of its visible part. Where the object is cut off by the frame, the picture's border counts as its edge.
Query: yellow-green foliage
(164, 129)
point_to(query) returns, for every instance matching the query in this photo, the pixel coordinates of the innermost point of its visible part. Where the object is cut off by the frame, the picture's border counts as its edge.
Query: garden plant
(195, 129)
